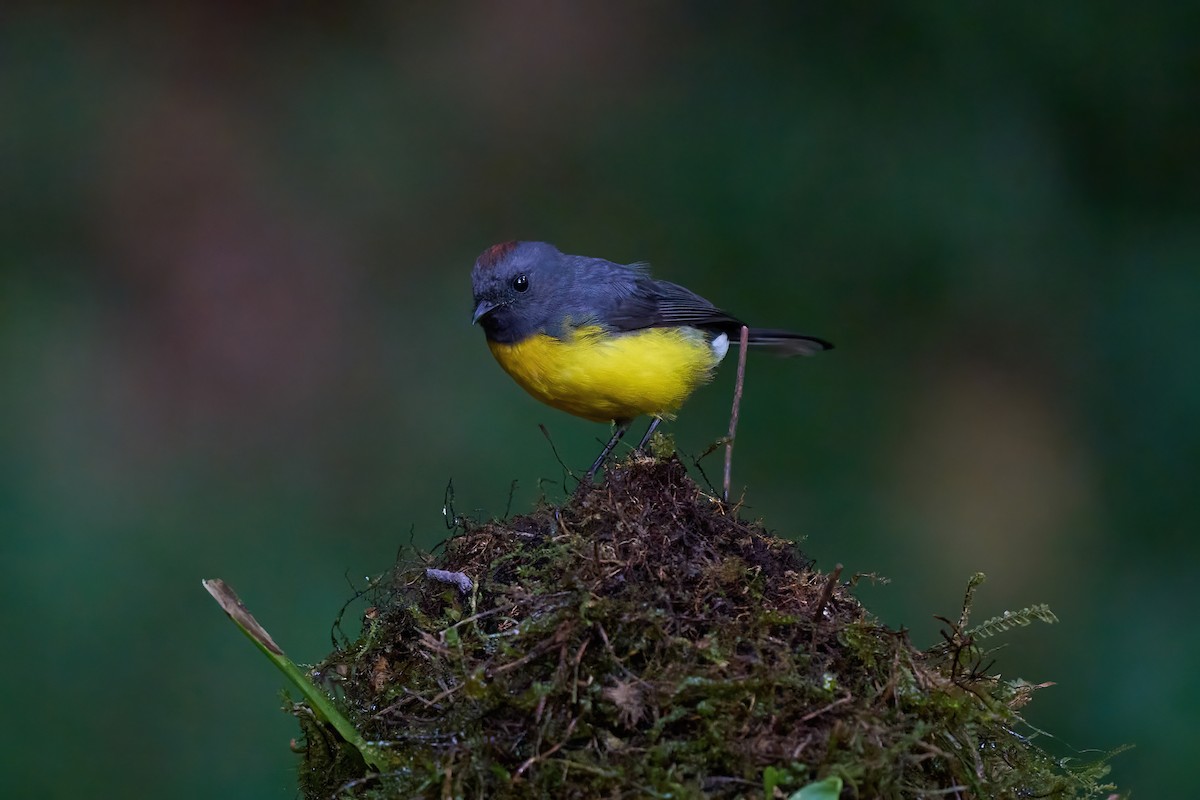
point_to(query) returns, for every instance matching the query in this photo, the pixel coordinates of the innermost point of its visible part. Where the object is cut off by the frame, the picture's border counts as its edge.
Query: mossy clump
(642, 641)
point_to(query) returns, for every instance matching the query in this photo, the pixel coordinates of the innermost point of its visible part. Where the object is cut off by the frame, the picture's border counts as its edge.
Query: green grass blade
(320, 702)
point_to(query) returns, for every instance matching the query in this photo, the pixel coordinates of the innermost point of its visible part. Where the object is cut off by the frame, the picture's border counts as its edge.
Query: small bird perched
(604, 341)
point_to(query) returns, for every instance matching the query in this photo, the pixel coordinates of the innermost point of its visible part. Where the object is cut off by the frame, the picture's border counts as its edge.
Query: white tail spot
(720, 346)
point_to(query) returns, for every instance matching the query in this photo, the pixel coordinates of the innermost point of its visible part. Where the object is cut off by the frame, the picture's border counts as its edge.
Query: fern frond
(1012, 619)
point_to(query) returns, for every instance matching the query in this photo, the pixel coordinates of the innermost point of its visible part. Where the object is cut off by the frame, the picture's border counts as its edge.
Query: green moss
(643, 641)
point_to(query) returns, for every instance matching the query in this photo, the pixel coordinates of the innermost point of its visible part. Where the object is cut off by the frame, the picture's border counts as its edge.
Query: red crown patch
(495, 254)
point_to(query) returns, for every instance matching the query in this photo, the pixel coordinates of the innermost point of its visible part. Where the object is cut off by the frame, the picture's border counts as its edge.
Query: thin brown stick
(737, 404)
(826, 593)
(814, 714)
(529, 762)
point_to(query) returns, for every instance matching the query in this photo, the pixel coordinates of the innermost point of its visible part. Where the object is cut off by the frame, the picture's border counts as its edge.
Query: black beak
(484, 307)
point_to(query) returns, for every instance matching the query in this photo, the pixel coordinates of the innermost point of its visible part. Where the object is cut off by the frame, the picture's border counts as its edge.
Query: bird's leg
(654, 421)
(622, 426)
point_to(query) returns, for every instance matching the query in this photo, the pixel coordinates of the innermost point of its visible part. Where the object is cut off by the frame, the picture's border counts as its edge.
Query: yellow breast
(602, 376)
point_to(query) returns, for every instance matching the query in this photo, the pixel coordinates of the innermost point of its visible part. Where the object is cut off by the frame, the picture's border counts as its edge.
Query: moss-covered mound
(641, 641)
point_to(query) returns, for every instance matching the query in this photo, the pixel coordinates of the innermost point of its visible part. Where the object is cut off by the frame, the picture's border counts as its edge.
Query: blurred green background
(234, 330)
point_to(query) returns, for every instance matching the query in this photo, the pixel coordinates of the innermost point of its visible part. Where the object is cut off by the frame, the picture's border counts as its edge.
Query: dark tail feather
(784, 343)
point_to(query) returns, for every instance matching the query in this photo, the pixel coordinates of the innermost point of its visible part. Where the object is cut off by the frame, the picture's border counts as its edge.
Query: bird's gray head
(517, 288)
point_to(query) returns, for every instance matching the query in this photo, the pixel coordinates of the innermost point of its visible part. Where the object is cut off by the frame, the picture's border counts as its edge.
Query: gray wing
(661, 304)
(625, 298)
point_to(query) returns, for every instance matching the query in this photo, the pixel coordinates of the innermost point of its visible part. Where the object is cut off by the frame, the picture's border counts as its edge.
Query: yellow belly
(605, 377)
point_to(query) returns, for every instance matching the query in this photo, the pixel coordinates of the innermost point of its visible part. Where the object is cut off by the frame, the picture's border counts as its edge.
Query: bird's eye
(521, 282)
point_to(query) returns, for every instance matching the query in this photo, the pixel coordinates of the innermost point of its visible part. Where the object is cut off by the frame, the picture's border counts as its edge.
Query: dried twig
(826, 593)
(737, 404)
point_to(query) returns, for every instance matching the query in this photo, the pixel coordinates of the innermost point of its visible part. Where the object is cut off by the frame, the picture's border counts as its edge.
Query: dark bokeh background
(234, 341)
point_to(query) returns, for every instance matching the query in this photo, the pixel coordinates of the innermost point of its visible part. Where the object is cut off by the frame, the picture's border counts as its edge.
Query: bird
(605, 341)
